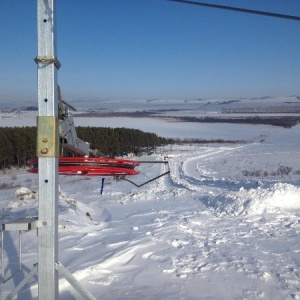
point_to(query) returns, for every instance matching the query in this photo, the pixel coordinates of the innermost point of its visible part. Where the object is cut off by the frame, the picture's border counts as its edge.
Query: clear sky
(154, 49)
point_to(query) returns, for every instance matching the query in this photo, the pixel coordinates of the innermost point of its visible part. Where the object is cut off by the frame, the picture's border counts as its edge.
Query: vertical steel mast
(48, 153)
(47, 149)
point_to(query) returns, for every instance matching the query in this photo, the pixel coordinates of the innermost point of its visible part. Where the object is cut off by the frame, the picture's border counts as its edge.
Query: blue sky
(154, 49)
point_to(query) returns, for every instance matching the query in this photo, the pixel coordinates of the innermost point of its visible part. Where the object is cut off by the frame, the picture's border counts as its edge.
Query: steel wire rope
(237, 9)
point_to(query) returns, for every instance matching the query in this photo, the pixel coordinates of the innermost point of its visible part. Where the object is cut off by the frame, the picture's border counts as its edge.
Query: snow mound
(282, 195)
(279, 197)
(25, 196)
(22, 191)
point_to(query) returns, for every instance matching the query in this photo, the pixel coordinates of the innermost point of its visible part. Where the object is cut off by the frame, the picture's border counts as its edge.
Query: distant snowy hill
(167, 104)
(204, 105)
(167, 117)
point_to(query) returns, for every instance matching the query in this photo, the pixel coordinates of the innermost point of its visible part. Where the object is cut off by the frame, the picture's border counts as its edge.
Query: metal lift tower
(47, 149)
(48, 153)
(48, 141)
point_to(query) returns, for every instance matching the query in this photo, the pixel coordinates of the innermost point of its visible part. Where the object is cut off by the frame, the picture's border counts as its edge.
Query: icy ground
(224, 225)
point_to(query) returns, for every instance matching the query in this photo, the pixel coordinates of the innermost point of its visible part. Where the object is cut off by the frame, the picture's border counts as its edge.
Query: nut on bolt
(44, 150)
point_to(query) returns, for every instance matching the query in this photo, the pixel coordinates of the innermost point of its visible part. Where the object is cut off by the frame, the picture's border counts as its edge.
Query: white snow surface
(224, 224)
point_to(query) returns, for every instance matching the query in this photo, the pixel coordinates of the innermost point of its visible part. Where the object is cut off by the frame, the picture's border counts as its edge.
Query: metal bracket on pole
(47, 60)
(48, 130)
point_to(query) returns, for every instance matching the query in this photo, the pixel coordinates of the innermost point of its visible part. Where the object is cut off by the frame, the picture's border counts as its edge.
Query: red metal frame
(91, 166)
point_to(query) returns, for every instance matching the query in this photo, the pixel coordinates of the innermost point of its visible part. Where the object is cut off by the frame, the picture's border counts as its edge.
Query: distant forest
(18, 144)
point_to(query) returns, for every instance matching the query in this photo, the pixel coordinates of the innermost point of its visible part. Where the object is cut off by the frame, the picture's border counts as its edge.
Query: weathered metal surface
(47, 142)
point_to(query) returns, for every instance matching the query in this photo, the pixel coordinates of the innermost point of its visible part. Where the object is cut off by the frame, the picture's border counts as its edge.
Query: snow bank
(281, 195)
(278, 197)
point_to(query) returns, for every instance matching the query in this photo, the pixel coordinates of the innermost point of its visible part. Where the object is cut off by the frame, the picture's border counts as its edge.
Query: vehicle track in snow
(188, 171)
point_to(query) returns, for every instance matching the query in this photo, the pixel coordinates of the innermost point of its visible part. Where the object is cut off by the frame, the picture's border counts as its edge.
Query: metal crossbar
(22, 283)
(22, 224)
(74, 282)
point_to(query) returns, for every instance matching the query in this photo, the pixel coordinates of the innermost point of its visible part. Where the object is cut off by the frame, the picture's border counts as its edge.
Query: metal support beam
(22, 283)
(47, 160)
(84, 293)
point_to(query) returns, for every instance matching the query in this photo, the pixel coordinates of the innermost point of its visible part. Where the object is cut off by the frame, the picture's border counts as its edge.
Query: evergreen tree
(18, 144)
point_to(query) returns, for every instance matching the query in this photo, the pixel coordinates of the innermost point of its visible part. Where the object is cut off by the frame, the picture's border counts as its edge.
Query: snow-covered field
(224, 224)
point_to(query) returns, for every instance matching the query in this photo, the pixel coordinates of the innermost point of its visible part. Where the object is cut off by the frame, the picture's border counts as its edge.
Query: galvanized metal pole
(47, 150)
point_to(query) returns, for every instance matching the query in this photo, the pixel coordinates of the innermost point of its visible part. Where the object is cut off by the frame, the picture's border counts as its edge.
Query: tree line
(18, 144)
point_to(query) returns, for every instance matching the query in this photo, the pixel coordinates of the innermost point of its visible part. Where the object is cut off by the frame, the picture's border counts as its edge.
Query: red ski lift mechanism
(84, 164)
(91, 166)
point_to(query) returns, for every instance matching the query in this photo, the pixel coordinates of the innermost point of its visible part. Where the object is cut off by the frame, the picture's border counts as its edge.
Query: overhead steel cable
(244, 10)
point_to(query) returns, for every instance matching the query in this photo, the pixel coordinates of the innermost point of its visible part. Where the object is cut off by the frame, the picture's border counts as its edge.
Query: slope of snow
(207, 231)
